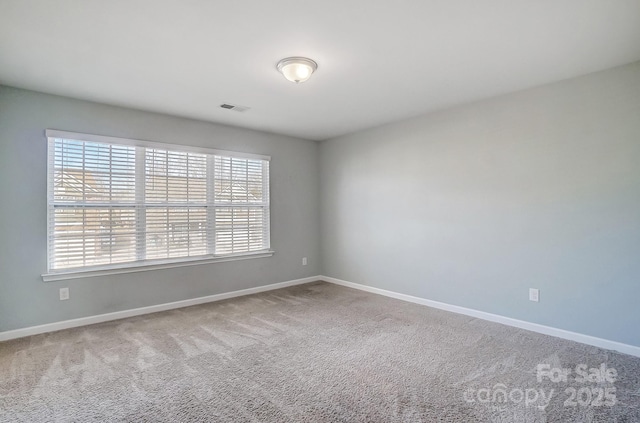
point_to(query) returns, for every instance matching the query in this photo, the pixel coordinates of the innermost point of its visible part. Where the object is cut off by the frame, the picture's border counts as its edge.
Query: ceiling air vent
(234, 107)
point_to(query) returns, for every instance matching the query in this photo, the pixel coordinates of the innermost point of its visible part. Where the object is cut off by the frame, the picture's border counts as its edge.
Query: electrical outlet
(64, 294)
(304, 261)
(534, 294)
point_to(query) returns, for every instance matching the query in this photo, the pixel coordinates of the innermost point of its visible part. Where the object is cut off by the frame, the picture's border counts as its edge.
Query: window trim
(147, 265)
(150, 264)
(55, 133)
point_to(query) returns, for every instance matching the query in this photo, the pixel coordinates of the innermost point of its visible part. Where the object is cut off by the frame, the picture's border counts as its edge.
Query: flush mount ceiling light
(297, 69)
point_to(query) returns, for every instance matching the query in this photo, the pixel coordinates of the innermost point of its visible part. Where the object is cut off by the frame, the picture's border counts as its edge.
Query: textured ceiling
(379, 61)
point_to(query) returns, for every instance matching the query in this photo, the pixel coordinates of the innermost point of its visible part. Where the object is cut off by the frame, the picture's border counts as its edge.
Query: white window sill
(146, 266)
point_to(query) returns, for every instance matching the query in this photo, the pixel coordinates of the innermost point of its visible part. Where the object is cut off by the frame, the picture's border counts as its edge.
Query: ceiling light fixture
(297, 69)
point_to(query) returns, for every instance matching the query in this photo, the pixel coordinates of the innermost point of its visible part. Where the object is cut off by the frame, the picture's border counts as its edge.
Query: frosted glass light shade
(297, 69)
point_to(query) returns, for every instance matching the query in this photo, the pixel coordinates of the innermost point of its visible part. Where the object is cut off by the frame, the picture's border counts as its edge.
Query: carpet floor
(312, 353)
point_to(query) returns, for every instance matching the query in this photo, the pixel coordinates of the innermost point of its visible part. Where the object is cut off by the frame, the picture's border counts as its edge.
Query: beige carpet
(312, 353)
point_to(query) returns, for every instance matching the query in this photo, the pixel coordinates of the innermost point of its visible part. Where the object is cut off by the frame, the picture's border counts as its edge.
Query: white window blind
(113, 201)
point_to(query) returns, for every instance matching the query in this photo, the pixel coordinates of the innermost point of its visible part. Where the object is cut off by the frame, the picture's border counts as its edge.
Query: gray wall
(474, 205)
(25, 300)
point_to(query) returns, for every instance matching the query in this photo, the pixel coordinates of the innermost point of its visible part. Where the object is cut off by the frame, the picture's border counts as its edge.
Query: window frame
(148, 264)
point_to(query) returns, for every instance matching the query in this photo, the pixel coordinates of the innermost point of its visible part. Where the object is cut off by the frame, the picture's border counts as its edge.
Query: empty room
(356, 211)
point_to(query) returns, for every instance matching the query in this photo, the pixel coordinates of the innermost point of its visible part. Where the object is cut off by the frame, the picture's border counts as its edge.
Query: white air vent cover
(234, 107)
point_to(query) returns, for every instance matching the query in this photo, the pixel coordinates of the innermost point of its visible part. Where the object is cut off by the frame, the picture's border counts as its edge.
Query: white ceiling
(378, 60)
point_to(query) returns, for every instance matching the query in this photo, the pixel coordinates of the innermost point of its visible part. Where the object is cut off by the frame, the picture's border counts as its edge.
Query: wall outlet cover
(534, 295)
(64, 294)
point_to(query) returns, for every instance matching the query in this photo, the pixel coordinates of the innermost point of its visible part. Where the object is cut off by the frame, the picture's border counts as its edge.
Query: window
(116, 203)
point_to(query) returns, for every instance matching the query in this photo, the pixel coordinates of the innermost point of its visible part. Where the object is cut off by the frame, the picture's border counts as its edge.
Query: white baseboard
(534, 327)
(90, 320)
